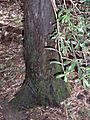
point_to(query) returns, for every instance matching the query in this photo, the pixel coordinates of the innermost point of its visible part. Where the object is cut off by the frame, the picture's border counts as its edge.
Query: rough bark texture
(40, 87)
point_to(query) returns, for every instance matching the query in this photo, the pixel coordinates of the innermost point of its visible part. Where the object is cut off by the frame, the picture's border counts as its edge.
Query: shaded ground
(12, 74)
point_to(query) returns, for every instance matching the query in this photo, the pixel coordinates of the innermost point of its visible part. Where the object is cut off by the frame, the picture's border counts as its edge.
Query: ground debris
(12, 74)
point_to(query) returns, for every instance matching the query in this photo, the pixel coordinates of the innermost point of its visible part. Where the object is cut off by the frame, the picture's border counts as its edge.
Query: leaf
(62, 44)
(88, 68)
(60, 13)
(54, 35)
(82, 44)
(59, 76)
(65, 18)
(67, 62)
(65, 78)
(81, 30)
(50, 48)
(55, 62)
(73, 64)
(86, 83)
(85, 0)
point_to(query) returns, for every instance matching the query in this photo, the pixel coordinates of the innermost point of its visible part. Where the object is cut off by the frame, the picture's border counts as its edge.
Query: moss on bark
(40, 86)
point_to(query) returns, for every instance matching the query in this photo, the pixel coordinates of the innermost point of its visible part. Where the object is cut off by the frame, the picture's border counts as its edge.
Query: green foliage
(85, 0)
(73, 41)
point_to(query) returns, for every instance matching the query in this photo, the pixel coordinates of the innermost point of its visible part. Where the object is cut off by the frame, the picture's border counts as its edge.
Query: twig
(66, 111)
(65, 3)
(75, 6)
(59, 38)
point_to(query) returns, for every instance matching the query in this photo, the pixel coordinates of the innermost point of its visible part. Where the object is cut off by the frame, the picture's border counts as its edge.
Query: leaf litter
(12, 74)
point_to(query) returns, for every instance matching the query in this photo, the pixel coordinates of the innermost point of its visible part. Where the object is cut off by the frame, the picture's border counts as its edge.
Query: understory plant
(72, 37)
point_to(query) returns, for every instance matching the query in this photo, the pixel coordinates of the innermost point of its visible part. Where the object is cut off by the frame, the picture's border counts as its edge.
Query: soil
(12, 74)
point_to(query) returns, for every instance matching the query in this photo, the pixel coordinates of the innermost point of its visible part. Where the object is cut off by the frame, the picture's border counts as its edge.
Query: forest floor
(12, 74)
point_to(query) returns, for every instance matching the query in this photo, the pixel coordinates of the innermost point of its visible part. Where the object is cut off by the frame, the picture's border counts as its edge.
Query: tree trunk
(40, 86)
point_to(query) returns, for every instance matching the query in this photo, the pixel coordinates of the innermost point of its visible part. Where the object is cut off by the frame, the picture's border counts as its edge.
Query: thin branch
(58, 30)
(75, 6)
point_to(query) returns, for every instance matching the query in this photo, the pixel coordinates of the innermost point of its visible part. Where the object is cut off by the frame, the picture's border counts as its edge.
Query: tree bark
(40, 86)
